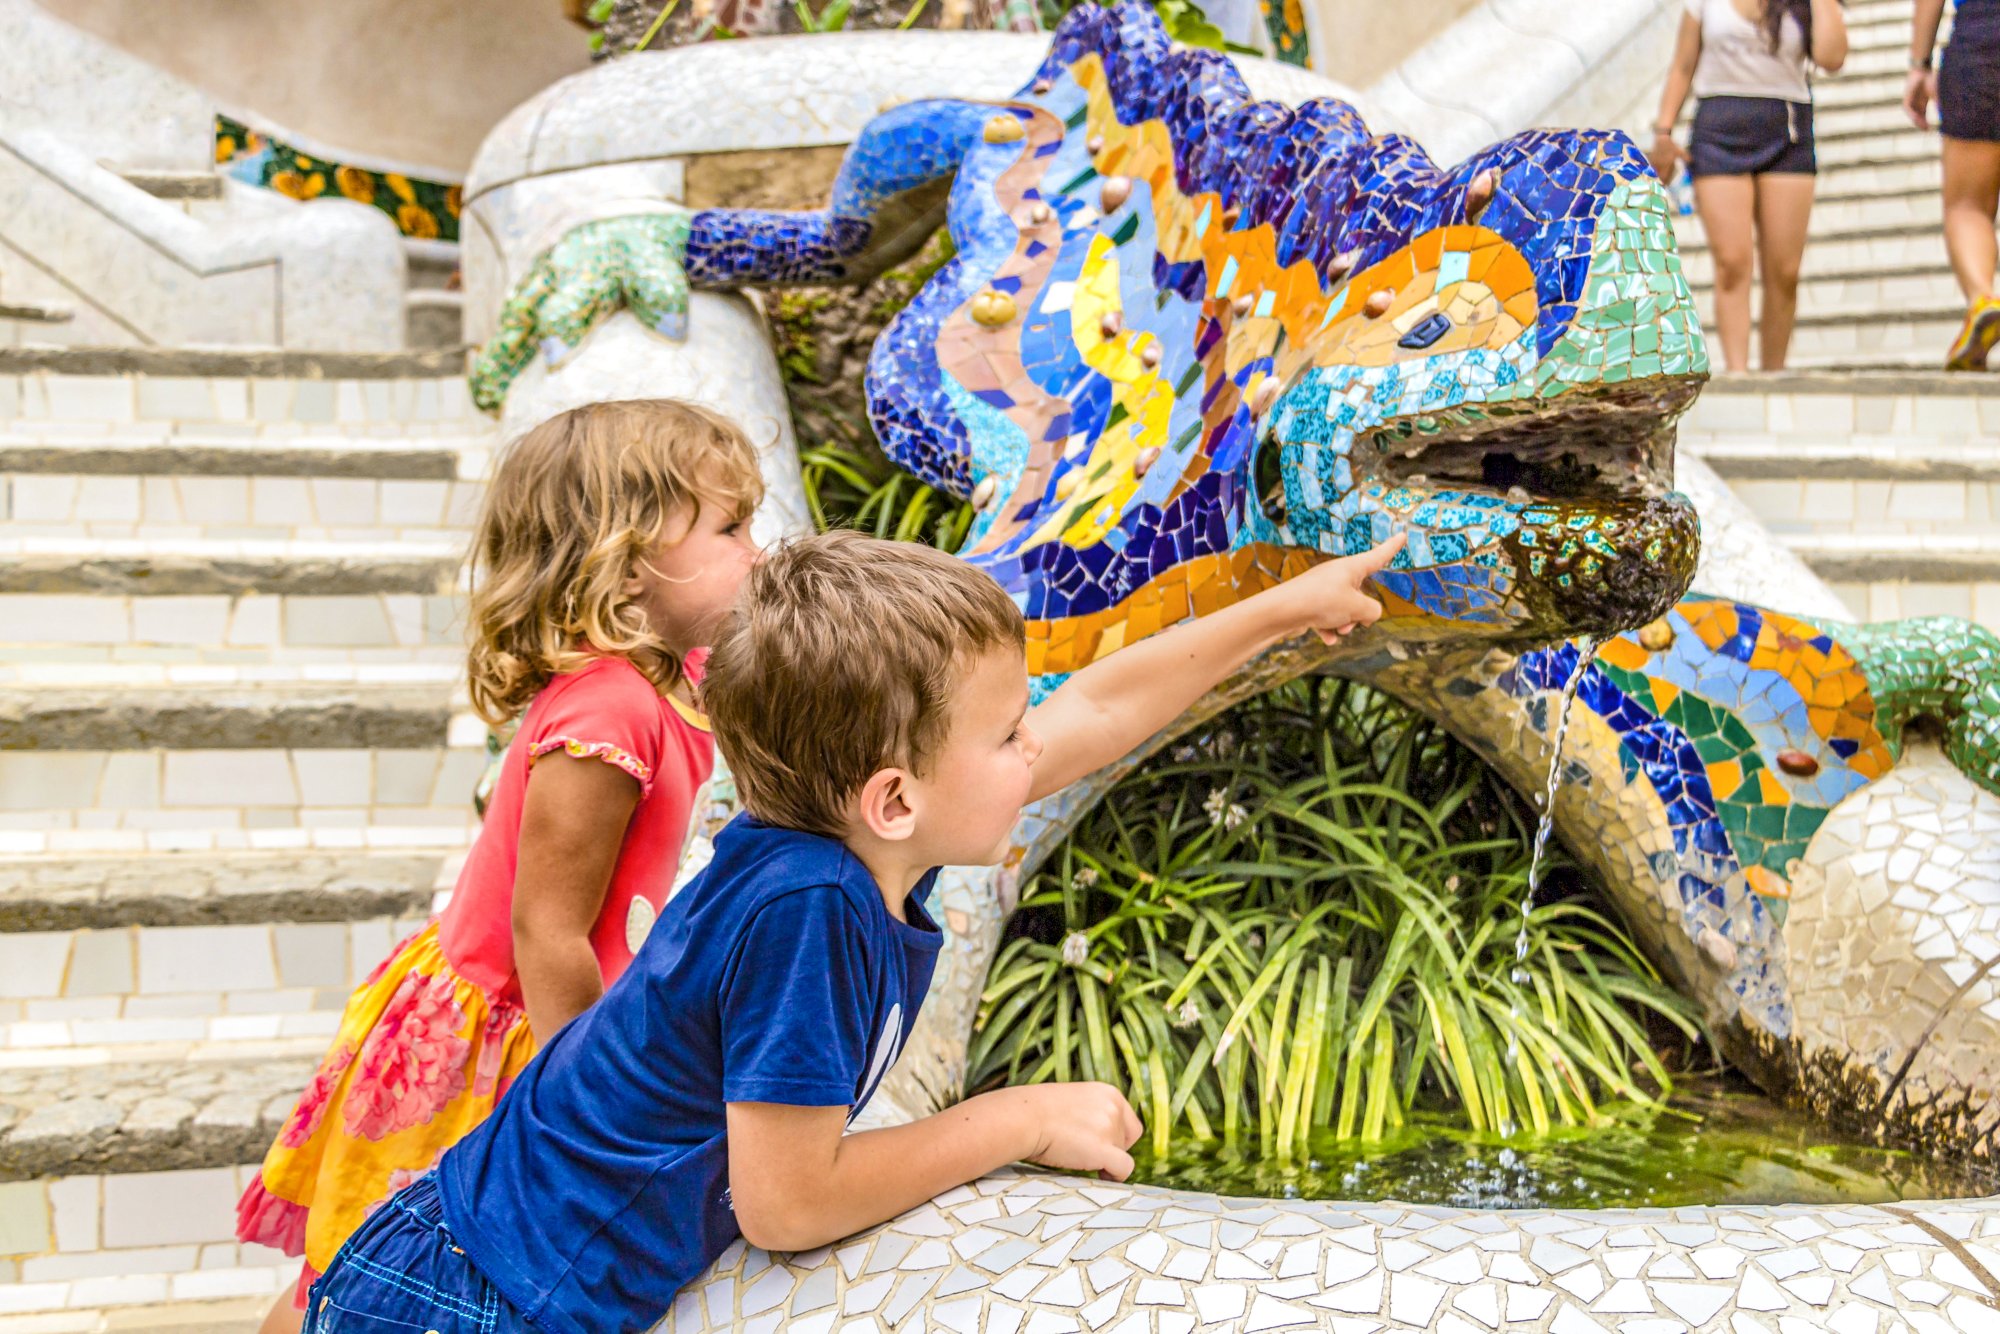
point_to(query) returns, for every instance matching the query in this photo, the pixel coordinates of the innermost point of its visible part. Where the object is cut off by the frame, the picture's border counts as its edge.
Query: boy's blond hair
(572, 504)
(839, 660)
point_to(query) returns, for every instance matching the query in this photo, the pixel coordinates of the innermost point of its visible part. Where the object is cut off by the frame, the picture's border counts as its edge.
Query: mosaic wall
(1191, 343)
(427, 210)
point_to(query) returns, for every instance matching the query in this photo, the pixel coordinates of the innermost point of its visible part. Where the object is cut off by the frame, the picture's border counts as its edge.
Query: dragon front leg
(888, 197)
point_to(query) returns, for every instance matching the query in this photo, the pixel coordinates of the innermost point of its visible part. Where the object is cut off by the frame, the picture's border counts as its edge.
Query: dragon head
(1192, 343)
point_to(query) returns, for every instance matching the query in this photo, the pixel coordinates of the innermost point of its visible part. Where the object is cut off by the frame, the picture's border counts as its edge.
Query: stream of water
(1586, 653)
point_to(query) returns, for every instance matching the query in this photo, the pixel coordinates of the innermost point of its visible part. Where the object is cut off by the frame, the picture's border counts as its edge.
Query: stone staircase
(1886, 483)
(234, 769)
(1876, 290)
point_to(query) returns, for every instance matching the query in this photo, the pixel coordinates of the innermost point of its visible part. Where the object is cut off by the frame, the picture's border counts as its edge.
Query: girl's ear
(883, 806)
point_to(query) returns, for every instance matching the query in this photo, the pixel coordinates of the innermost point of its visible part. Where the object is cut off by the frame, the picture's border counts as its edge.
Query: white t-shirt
(1737, 62)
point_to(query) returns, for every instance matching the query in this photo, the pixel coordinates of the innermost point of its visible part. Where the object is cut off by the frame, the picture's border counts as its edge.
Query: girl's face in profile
(686, 582)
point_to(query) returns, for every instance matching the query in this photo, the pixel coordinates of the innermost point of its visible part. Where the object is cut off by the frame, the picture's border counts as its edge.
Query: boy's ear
(884, 804)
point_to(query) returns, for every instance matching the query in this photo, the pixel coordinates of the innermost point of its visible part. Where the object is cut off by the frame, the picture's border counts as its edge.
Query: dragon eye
(1426, 331)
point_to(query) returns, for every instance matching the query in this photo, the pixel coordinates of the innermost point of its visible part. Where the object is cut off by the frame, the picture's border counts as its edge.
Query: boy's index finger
(1378, 557)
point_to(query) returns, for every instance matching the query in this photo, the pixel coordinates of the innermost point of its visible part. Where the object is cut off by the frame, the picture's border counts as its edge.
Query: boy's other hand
(1330, 597)
(1083, 1128)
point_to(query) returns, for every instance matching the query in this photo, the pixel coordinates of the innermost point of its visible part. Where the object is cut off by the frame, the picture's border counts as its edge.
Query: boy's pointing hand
(1331, 598)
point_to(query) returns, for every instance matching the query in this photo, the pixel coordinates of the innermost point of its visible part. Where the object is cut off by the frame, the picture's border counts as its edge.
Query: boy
(872, 701)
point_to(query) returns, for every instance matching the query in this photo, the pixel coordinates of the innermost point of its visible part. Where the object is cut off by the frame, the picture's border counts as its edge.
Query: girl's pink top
(606, 711)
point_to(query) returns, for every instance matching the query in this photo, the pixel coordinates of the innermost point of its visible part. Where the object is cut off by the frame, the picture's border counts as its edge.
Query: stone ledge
(1777, 463)
(127, 576)
(1859, 381)
(248, 362)
(175, 184)
(222, 718)
(144, 1116)
(1847, 558)
(75, 893)
(246, 458)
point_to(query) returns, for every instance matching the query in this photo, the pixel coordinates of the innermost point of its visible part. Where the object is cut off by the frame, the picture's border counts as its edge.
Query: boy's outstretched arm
(797, 1181)
(1109, 707)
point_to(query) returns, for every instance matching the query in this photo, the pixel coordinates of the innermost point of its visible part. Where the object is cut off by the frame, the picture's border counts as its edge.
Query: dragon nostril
(1426, 331)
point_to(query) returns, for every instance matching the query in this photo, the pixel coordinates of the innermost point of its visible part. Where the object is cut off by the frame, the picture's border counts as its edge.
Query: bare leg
(1784, 206)
(1971, 197)
(1726, 204)
(283, 1317)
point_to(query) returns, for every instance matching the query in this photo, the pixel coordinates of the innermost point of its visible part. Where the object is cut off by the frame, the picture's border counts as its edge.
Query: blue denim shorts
(402, 1271)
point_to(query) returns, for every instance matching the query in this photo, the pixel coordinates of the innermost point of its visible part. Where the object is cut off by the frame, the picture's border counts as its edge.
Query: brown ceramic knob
(1149, 356)
(1110, 323)
(1116, 190)
(1341, 264)
(982, 495)
(1797, 762)
(1094, 144)
(1379, 302)
(1005, 129)
(1241, 305)
(1655, 636)
(1479, 194)
(1266, 394)
(1147, 458)
(1043, 85)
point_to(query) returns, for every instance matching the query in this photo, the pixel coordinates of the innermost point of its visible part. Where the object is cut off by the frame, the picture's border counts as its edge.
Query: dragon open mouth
(1614, 441)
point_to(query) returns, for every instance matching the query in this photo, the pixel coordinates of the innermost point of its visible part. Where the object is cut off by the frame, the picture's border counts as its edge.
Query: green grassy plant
(850, 487)
(1302, 920)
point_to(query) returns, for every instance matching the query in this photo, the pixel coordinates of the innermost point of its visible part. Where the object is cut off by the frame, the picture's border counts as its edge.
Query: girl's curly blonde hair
(571, 506)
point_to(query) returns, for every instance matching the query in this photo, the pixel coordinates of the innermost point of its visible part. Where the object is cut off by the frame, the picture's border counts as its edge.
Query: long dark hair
(1773, 22)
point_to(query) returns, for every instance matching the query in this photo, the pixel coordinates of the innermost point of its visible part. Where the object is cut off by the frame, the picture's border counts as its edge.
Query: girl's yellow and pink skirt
(420, 1059)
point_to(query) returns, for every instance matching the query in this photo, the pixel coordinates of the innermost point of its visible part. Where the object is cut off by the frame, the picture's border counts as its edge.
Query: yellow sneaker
(1976, 338)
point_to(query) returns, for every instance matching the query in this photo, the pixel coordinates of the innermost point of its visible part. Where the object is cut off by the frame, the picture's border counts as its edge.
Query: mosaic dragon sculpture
(1191, 343)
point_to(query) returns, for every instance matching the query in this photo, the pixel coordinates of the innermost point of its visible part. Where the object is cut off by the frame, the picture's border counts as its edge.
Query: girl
(611, 542)
(1967, 92)
(1751, 151)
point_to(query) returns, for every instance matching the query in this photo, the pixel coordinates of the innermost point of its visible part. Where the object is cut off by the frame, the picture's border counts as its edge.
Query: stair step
(155, 567)
(94, 891)
(29, 312)
(1873, 294)
(251, 716)
(159, 453)
(225, 508)
(245, 630)
(434, 317)
(171, 1108)
(174, 184)
(188, 1306)
(236, 392)
(74, 992)
(161, 1242)
(208, 792)
(1917, 213)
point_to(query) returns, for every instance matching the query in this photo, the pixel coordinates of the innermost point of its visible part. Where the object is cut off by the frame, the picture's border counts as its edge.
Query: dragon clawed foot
(635, 262)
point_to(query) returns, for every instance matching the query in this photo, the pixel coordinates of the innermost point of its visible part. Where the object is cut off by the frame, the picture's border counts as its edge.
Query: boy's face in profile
(970, 795)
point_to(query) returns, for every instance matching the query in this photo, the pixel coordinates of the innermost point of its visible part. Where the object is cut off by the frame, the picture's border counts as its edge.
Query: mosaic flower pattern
(426, 210)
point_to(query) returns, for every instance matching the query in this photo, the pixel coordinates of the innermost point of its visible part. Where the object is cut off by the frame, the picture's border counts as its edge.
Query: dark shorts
(402, 1271)
(1968, 81)
(1751, 136)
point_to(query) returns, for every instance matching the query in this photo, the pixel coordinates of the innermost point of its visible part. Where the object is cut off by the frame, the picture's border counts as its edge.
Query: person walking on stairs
(1966, 88)
(1750, 152)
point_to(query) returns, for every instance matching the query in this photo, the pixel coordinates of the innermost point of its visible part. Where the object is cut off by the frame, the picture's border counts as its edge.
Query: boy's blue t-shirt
(600, 1185)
